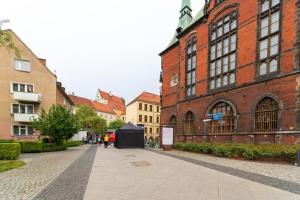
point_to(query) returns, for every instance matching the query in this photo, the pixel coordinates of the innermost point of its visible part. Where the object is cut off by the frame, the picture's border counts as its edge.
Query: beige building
(144, 111)
(26, 86)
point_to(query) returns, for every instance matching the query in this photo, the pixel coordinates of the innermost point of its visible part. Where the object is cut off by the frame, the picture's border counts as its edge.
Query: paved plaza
(95, 173)
(141, 174)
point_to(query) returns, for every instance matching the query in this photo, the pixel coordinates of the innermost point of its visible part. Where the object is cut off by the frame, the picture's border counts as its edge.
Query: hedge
(38, 147)
(10, 151)
(246, 151)
(73, 143)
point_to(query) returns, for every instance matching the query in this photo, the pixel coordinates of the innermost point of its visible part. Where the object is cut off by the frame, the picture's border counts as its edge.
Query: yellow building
(144, 111)
(26, 87)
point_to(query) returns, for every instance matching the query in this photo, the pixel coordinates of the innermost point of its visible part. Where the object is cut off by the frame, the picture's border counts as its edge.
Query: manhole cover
(141, 164)
(130, 155)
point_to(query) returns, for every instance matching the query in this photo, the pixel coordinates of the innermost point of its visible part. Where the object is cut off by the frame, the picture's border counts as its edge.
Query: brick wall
(249, 89)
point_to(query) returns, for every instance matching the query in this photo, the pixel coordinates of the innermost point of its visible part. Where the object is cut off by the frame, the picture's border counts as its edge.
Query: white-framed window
(22, 87)
(22, 130)
(22, 65)
(22, 109)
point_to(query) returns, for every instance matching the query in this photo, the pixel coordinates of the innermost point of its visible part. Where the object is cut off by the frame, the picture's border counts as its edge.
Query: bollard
(298, 158)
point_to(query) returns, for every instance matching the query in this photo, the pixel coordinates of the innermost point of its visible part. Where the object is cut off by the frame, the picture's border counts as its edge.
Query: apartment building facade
(144, 111)
(26, 87)
(232, 72)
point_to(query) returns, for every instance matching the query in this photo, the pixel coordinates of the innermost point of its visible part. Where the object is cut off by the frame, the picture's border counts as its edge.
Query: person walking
(106, 140)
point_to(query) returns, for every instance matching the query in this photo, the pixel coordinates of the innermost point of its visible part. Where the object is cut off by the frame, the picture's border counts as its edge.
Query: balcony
(25, 117)
(27, 97)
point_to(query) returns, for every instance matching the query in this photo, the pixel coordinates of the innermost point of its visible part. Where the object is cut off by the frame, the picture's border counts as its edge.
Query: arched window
(191, 65)
(189, 123)
(223, 119)
(266, 115)
(173, 124)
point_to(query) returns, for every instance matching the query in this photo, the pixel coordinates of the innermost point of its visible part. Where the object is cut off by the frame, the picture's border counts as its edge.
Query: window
(140, 106)
(157, 109)
(146, 107)
(22, 130)
(191, 65)
(157, 120)
(150, 130)
(151, 119)
(227, 122)
(173, 124)
(269, 37)
(146, 130)
(19, 87)
(189, 125)
(151, 108)
(140, 118)
(22, 109)
(22, 65)
(157, 130)
(223, 45)
(266, 115)
(145, 118)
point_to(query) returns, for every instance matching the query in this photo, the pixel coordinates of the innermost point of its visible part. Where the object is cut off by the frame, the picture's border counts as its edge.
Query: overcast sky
(108, 44)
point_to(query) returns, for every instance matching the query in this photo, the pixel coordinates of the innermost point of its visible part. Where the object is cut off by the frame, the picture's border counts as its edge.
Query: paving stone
(71, 184)
(40, 169)
(285, 177)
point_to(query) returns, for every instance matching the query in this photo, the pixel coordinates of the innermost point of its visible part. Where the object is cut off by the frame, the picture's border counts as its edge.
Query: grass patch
(6, 165)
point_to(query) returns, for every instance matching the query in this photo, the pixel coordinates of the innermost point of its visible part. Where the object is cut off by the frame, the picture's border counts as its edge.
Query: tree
(6, 40)
(89, 120)
(116, 124)
(59, 124)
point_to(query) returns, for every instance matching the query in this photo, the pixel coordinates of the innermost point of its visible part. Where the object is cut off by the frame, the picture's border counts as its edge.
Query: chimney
(43, 61)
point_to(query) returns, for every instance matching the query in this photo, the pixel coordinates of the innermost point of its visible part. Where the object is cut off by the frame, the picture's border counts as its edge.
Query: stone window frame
(280, 109)
(173, 122)
(262, 15)
(190, 118)
(191, 53)
(213, 27)
(235, 115)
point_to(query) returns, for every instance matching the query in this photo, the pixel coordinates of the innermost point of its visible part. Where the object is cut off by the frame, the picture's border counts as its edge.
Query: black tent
(129, 136)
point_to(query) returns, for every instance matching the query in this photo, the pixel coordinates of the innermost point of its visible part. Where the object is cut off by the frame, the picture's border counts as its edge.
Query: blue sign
(216, 116)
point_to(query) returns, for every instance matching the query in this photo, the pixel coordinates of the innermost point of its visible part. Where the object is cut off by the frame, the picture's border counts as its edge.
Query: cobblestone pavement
(40, 169)
(136, 174)
(71, 184)
(282, 176)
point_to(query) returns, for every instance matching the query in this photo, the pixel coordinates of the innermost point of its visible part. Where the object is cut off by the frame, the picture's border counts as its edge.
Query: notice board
(167, 136)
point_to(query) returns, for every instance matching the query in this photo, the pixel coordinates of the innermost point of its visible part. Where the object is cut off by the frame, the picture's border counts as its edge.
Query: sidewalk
(144, 175)
(40, 169)
(279, 171)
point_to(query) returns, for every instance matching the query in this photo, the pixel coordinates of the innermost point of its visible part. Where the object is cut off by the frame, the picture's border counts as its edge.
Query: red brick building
(232, 72)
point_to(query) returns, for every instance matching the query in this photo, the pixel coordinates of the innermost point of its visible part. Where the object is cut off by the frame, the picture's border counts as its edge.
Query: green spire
(185, 3)
(185, 14)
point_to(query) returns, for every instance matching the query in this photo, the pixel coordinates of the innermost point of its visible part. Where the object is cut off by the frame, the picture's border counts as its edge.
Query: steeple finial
(185, 14)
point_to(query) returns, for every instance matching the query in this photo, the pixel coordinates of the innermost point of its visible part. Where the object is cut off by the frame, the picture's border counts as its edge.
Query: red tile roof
(114, 102)
(102, 108)
(92, 104)
(81, 101)
(147, 97)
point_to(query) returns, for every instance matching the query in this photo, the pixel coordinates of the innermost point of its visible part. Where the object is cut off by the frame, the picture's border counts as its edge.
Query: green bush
(6, 141)
(246, 151)
(38, 147)
(73, 143)
(10, 151)
(53, 147)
